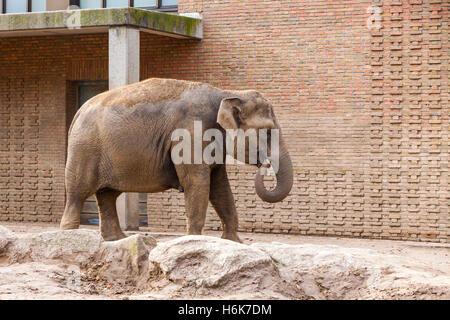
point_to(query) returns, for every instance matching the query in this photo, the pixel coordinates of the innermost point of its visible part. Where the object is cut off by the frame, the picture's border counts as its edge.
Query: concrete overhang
(88, 21)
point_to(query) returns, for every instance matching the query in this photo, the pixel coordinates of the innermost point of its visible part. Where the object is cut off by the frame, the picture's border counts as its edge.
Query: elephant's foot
(194, 229)
(113, 236)
(111, 231)
(231, 236)
(69, 225)
(194, 233)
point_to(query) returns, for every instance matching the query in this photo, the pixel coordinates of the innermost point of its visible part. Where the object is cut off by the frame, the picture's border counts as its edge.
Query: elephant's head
(249, 110)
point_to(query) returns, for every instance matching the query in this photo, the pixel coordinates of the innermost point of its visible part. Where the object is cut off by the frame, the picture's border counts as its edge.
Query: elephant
(120, 141)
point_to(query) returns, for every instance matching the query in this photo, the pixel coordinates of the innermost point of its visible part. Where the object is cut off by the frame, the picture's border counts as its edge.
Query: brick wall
(33, 125)
(409, 120)
(365, 112)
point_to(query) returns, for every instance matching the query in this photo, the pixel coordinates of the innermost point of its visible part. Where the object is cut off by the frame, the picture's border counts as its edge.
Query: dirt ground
(30, 277)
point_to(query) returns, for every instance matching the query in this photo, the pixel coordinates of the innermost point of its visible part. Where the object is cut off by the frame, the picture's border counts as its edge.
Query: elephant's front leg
(223, 201)
(195, 180)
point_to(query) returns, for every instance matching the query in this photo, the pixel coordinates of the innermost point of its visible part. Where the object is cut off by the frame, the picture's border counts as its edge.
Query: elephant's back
(140, 102)
(150, 91)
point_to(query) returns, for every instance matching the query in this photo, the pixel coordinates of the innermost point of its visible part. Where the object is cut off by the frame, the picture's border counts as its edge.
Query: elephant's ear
(229, 113)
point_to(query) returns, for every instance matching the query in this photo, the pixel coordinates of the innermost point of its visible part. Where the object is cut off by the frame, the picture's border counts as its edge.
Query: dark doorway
(87, 90)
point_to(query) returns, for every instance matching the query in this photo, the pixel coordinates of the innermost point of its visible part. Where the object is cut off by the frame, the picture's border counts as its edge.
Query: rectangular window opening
(38, 5)
(90, 4)
(16, 6)
(117, 3)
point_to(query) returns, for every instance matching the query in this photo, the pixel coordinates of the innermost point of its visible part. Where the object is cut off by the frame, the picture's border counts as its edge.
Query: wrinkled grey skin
(120, 141)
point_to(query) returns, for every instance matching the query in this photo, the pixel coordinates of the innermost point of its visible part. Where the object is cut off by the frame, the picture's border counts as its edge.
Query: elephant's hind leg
(109, 221)
(222, 200)
(72, 212)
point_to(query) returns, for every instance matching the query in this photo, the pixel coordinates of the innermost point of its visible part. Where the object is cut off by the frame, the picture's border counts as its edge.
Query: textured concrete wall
(365, 113)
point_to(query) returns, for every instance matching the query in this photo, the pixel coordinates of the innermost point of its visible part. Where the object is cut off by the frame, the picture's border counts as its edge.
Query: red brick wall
(365, 113)
(33, 82)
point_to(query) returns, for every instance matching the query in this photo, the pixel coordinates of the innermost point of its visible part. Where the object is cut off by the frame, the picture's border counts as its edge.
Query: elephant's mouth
(264, 165)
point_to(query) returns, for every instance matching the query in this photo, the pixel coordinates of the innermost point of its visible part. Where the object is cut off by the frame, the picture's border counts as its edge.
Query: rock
(129, 252)
(203, 262)
(6, 237)
(70, 246)
(121, 265)
(81, 246)
(86, 248)
(322, 271)
(333, 272)
(74, 263)
(124, 259)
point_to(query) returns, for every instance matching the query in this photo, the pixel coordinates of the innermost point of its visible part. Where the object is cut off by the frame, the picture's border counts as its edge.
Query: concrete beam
(74, 21)
(124, 69)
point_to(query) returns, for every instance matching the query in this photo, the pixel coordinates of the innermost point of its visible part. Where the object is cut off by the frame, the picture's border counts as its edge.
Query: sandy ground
(31, 278)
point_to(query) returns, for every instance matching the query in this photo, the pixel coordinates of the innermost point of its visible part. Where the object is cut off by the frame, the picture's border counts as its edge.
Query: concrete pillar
(123, 70)
(123, 56)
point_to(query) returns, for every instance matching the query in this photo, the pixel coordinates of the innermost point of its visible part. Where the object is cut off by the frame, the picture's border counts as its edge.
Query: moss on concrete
(153, 20)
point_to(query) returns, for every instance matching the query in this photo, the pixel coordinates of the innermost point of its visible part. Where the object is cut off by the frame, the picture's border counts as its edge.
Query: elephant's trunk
(284, 179)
